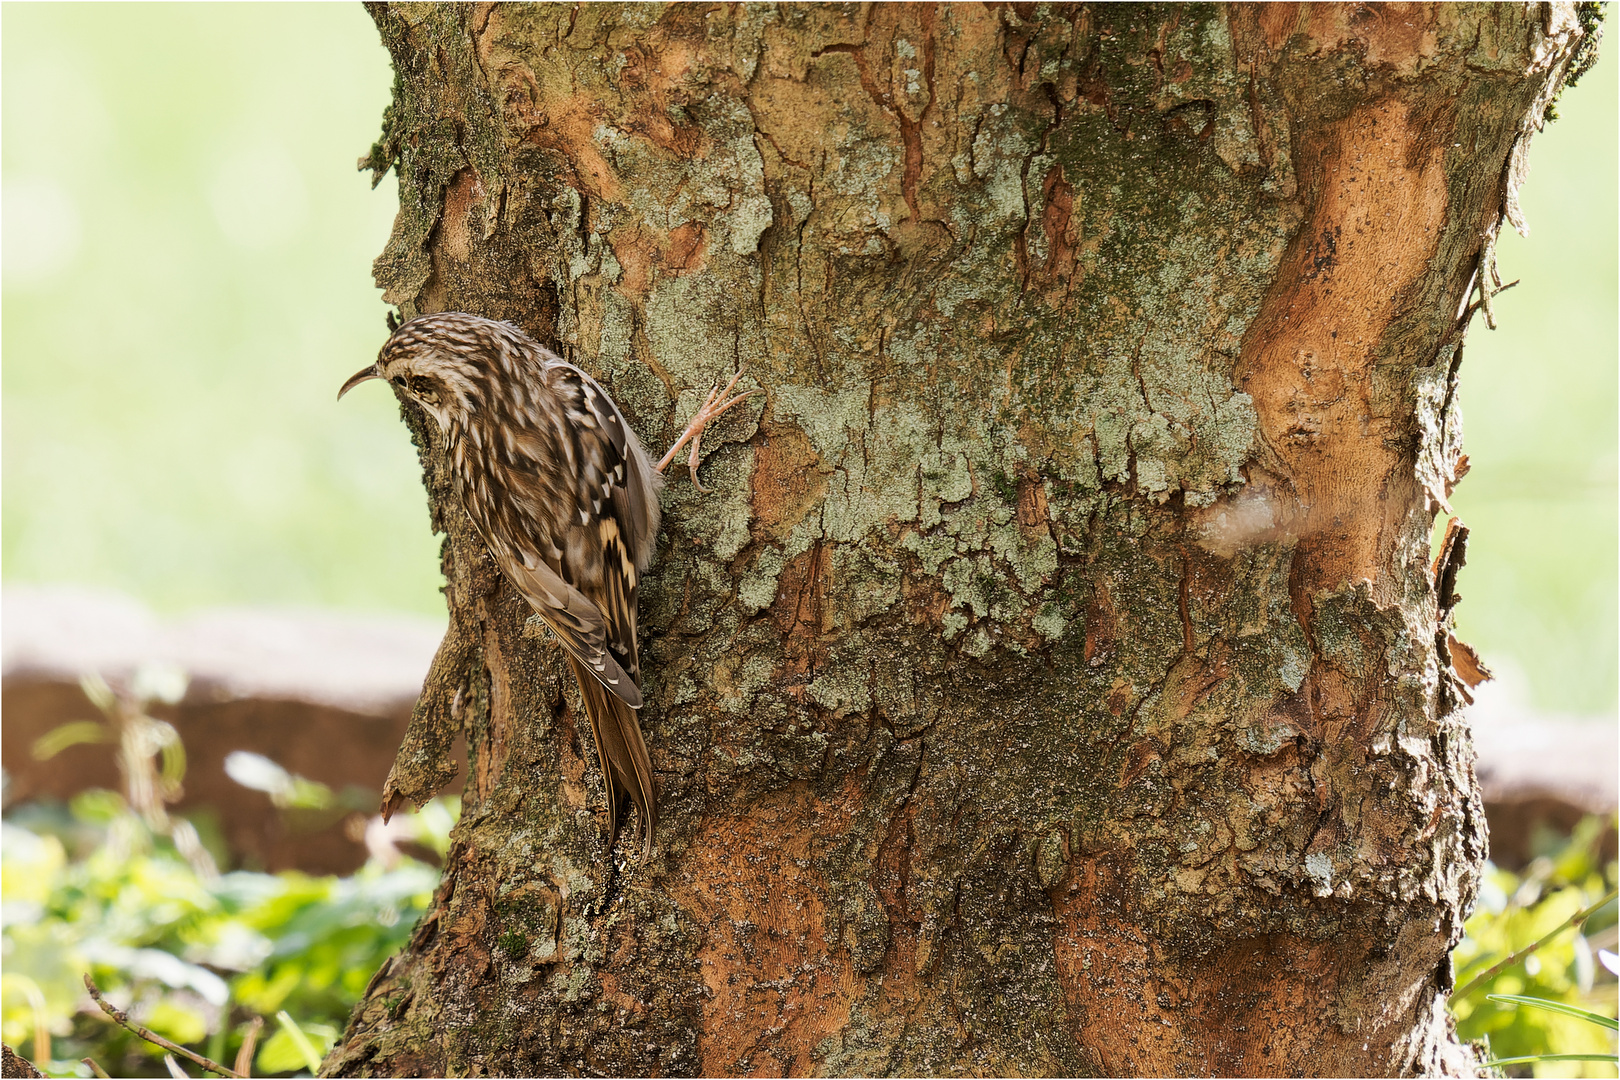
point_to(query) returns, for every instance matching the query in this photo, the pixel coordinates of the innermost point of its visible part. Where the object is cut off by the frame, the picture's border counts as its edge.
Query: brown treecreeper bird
(563, 495)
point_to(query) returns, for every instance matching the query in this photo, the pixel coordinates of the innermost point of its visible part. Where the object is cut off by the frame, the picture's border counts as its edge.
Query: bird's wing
(578, 624)
(615, 506)
(609, 494)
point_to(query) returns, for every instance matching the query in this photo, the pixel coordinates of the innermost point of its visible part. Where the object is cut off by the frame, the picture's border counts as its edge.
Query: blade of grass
(1531, 1059)
(1558, 1007)
(300, 1040)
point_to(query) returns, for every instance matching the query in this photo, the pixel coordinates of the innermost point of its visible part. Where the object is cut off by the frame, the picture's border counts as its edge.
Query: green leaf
(98, 806)
(58, 739)
(1557, 1007)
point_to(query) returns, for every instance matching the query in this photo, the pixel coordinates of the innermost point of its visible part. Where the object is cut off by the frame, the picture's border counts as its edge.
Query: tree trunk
(1057, 680)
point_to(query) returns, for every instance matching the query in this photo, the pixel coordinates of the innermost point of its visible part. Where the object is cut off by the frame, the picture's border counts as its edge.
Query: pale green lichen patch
(758, 586)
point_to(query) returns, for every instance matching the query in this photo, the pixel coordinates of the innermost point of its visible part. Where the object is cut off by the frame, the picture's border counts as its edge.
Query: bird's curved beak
(357, 378)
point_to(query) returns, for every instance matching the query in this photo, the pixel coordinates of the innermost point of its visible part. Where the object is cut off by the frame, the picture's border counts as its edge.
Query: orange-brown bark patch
(800, 612)
(1143, 752)
(572, 130)
(1138, 1010)
(925, 600)
(613, 991)
(776, 986)
(1239, 1004)
(489, 766)
(1399, 36)
(1391, 35)
(1061, 226)
(1277, 22)
(640, 249)
(1194, 678)
(571, 766)
(464, 922)
(1308, 358)
(1467, 663)
(455, 227)
(1032, 511)
(1278, 779)
(683, 251)
(651, 80)
(891, 877)
(786, 484)
(1104, 964)
(637, 249)
(1119, 696)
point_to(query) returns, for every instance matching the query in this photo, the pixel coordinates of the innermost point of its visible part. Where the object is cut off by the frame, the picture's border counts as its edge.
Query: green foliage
(1569, 988)
(94, 888)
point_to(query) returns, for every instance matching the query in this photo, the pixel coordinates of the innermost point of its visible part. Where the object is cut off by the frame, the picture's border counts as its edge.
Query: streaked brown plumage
(564, 496)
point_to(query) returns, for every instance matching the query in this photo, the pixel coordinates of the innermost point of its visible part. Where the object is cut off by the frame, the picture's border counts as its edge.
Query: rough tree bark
(1057, 680)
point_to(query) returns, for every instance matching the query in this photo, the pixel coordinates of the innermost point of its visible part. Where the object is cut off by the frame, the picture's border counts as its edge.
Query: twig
(174, 1068)
(1482, 303)
(123, 1020)
(1509, 960)
(244, 1056)
(1486, 276)
(95, 1070)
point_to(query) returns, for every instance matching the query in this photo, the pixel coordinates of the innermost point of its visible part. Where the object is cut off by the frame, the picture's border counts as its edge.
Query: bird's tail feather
(621, 753)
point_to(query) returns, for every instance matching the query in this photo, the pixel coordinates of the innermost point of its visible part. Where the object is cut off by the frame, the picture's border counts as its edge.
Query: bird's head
(438, 361)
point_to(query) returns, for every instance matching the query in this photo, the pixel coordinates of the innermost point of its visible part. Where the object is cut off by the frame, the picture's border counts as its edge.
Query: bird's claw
(715, 403)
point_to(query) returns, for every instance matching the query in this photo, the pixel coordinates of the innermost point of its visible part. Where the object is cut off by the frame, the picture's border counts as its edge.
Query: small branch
(1509, 960)
(244, 1056)
(1489, 283)
(123, 1020)
(95, 1070)
(1490, 315)
(1487, 277)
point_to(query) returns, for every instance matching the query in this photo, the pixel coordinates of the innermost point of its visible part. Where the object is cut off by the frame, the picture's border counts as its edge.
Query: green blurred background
(187, 253)
(187, 274)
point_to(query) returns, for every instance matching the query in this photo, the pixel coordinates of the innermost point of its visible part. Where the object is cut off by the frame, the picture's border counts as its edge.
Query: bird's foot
(716, 403)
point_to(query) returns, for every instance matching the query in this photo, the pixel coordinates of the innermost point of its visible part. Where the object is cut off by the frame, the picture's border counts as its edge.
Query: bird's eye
(399, 381)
